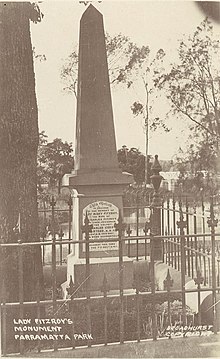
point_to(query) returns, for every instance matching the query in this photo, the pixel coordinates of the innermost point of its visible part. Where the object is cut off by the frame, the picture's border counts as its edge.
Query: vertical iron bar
(212, 223)
(21, 288)
(154, 323)
(38, 308)
(203, 221)
(137, 229)
(129, 241)
(199, 280)
(178, 254)
(168, 283)
(192, 256)
(1, 297)
(166, 248)
(182, 225)
(204, 261)
(174, 216)
(162, 218)
(195, 237)
(44, 230)
(168, 215)
(199, 306)
(70, 203)
(218, 279)
(174, 230)
(172, 248)
(145, 248)
(121, 286)
(105, 288)
(88, 306)
(214, 283)
(61, 247)
(188, 239)
(105, 320)
(138, 309)
(3, 314)
(209, 272)
(54, 284)
(183, 278)
(4, 320)
(71, 292)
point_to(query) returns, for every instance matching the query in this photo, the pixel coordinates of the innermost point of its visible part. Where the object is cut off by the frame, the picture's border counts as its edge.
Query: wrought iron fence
(106, 315)
(55, 222)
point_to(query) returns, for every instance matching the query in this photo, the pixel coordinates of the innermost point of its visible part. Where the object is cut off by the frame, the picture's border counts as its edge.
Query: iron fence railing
(132, 313)
(58, 222)
(105, 315)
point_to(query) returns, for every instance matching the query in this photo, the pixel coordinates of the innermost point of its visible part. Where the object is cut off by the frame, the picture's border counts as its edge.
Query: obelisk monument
(97, 178)
(96, 156)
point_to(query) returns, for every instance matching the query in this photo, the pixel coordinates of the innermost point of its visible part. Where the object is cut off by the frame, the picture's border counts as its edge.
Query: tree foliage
(192, 87)
(54, 160)
(124, 58)
(131, 66)
(133, 161)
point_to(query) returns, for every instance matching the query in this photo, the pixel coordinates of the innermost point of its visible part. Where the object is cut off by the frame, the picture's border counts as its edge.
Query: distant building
(170, 180)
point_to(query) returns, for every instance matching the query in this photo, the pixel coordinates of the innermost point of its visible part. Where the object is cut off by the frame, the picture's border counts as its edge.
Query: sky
(158, 24)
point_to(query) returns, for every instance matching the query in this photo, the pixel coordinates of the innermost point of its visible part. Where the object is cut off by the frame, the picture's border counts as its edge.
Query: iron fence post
(4, 319)
(120, 227)
(61, 234)
(168, 215)
(156, 179)
(105, 289)
(70, 203)
(168, 283)
(212, 223)
(137, 224)
(174, 230)
(188, 239)
(195, 232)
(137, 287)
(182, 225)
(87, 229)
(21, 288)
(146, 229)
(71, 290)
(129, 231)
(152, 274)
(54, 281)
(198, 281)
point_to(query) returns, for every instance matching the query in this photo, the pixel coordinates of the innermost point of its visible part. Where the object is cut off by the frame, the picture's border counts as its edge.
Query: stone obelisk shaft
(95, 136)
(96, 155)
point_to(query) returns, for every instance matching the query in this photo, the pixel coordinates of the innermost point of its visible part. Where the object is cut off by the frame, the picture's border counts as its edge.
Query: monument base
(76, 267)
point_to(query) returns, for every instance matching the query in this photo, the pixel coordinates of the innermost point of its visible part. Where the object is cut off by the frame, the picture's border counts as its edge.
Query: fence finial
(168, 282)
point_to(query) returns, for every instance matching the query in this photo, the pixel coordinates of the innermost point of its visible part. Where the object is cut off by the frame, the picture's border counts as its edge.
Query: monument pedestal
(101, 202)
(99, 267)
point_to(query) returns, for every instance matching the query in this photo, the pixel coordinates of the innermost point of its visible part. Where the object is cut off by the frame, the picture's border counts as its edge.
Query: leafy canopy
(192, 87)
(54, 160)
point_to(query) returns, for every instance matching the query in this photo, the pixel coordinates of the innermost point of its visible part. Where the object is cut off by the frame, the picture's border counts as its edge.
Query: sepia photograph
(110, 179)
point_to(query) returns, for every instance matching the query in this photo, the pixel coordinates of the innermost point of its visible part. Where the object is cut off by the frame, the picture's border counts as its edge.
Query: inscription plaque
(102, 215)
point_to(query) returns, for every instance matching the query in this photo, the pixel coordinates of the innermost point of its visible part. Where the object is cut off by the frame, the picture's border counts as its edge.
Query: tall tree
(192, 87)
(18, 147)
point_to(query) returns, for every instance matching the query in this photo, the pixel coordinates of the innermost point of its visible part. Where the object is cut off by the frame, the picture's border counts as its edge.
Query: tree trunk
(18, 151)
